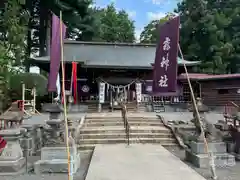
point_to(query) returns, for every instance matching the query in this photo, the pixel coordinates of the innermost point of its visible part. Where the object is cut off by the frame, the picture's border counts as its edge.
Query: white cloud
(159, 2)
(155, 16)
(132, 14)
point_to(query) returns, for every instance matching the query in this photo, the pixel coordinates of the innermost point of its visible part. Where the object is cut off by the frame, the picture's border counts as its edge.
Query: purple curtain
(165, 67)
(55, 52)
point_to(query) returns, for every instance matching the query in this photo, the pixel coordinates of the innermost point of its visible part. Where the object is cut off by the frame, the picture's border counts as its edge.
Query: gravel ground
(225, 173)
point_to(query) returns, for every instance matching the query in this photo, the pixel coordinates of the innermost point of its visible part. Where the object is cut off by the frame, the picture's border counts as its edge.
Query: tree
(150, 33)
(76, 15)
(13, 21)
(113, 25)
(203, 37)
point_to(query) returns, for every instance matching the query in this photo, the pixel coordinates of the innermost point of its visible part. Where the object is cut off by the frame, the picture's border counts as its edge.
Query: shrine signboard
(101, 92)
(139, 92)
(165, 66)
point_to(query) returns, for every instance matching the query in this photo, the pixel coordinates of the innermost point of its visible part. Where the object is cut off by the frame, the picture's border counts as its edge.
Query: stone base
(202, 160)
(13, 167)
(56, 165)
(237, 156)
(215, 147)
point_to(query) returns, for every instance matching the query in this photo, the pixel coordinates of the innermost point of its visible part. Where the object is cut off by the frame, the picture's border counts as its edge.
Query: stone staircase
(158, 107)
(132, 107)
(107, 128)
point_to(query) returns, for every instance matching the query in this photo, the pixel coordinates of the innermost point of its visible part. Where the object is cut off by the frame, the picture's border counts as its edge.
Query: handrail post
(125, 121)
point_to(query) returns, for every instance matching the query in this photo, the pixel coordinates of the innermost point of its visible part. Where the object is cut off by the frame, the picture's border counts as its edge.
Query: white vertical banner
(101, 92)
(139, 92)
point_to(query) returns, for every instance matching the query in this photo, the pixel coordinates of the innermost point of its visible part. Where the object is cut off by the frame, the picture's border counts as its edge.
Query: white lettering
(163, 81)
(165, 62)
(166, 44)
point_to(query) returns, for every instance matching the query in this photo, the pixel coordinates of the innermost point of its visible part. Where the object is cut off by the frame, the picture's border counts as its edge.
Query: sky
(142, 11)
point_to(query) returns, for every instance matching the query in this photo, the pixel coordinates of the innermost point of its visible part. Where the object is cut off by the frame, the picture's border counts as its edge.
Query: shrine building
(121, 65)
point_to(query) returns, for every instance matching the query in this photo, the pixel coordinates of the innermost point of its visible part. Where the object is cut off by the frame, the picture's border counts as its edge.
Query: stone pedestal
(197, 156)
(12, 161)
(55, 160)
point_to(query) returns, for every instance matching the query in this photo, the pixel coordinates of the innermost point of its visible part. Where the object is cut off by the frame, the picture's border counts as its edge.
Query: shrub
(30, 80)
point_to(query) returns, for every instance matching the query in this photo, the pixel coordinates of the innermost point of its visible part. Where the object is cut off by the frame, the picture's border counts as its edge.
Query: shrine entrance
(113, 90)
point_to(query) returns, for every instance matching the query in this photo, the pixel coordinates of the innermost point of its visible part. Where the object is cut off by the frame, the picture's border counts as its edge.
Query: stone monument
(54, 158)
(197, 153)
(12, 161)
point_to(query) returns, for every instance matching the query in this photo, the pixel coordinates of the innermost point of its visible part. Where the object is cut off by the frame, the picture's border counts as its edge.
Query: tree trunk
(29, 34)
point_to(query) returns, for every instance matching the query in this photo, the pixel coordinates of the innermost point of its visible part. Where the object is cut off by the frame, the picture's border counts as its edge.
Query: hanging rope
(120, 86)
(64, 100)
(210, 154)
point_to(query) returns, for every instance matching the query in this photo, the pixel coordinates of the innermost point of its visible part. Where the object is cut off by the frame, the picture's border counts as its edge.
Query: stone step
(93, 117)
(124, 140)
(121, 120)
(123, 135)
(118, 114)
(110, 129)
(85, 147)
(88, 118)
(90, 147)
(100, 118)
(120, 123)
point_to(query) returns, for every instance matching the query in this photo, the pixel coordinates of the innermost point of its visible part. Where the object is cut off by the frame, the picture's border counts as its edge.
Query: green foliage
(13, 30)
(77, 15)
(209, 33)
(113, 25)
(150, 33)
(203, 36)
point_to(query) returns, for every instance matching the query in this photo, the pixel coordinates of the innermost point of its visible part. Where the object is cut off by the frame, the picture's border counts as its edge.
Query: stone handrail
(79, 127)
(172, 129)
(125, 121)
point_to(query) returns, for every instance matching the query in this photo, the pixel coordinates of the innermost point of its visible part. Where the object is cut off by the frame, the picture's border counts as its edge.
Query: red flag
(165, 66)
(74, 72)
(3, 143)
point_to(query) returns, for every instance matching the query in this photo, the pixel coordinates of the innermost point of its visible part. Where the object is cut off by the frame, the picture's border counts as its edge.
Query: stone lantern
(197, 154)
(54, 110)
(202, 109)
(54, 155)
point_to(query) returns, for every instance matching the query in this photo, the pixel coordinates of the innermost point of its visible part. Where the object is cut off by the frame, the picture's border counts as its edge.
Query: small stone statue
(209, 130)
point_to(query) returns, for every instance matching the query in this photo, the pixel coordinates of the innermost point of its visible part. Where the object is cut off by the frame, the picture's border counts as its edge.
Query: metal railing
(125, 122)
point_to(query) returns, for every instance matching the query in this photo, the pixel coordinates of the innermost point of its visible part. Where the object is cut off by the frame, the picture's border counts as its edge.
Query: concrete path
(137, 162)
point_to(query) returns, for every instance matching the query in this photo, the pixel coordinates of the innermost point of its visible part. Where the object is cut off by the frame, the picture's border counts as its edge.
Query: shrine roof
(104, 54)
(195, 76)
